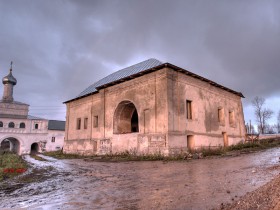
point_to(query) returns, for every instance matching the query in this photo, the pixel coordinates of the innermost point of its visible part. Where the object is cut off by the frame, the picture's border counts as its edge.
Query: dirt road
(196, 184)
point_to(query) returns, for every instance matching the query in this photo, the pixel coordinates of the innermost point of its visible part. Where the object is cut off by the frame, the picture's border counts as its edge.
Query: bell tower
(9, 82)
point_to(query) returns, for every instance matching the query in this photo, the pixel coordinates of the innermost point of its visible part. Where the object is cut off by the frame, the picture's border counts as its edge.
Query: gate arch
(14, 145)
(34, 148)
(126, 118)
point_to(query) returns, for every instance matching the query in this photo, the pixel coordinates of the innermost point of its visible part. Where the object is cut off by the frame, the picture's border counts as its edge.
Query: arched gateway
(10, 144)
(34, 148)
(126, 118)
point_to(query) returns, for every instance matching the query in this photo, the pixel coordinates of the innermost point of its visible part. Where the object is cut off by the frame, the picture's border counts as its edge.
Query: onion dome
(9, 79)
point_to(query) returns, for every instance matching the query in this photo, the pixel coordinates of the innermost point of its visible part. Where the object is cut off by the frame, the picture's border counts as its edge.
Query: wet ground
(195, 184)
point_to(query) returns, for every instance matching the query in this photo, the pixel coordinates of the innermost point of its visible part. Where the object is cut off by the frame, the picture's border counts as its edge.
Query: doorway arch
(10, 144)
(34, 148)
(125, 118)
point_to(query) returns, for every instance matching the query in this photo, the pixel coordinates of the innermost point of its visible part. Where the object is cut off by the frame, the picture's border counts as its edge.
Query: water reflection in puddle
(197, 184)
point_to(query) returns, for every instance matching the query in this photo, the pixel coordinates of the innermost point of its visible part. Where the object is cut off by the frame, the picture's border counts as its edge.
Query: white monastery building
(22, 133)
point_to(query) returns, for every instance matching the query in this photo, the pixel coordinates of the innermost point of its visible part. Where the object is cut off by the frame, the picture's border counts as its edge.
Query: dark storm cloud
(61, 47)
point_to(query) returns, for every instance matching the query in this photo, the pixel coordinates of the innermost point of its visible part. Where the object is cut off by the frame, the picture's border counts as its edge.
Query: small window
(85, 123)
(78, 123)
(95, 122)
(189, 109)
(36, 126)
(53, 139)
(221, 115)
(11, 125)
(22, 125)
(231, 118)
(1, 124)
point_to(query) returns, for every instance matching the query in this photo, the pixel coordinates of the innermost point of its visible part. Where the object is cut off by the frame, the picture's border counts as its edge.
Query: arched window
(1, 124)
(22, 125)
(36, 126)
(126, 118)
(11, 125)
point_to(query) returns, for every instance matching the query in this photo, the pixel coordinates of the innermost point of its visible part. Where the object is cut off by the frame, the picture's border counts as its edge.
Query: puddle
(197, 184)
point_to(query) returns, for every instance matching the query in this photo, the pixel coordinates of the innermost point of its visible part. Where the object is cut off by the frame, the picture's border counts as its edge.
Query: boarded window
(221, 115)
(189, 109)
(78, 123)
(231, 118)
(85, 123)
(190, 142)
(95, 122)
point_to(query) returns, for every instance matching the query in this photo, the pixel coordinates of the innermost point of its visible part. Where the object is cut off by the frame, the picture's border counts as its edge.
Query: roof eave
(176, 68)
(204, 79)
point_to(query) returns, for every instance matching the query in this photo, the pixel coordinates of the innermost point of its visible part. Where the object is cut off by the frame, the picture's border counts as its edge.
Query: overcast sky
(61, 47)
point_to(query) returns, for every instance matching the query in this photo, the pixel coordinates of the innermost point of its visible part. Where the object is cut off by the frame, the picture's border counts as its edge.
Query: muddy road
(195, 184)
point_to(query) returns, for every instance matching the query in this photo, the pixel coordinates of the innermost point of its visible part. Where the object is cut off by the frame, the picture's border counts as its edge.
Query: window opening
(78, 123)
(22, 125)
(11, 125)
(95, 122)
(189, 109)
(85, 123)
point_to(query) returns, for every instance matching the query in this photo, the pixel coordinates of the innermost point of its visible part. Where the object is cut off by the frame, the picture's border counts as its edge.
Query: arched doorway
(126, 118)
(34, 148)
(10, 144)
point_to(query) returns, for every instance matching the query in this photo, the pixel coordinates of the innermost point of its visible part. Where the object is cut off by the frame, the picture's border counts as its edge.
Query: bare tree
(262, 114)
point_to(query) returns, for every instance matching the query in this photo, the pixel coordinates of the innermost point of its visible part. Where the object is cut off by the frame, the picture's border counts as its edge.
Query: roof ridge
(120, 74)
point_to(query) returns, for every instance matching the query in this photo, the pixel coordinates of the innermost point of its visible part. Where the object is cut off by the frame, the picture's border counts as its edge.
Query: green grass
(36, 157)
(10, 163)
(123, 156)
(195, 154)
(244, 147)
(60, 155)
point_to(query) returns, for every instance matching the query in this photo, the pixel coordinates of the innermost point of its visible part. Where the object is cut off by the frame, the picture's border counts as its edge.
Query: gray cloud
(61, 47)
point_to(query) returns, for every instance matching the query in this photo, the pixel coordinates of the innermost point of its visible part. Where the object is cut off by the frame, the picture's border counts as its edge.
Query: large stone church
(21, 132)
(153, 107)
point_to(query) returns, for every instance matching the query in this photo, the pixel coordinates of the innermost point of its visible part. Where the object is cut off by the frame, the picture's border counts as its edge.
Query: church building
(153, 107)
(22, 133)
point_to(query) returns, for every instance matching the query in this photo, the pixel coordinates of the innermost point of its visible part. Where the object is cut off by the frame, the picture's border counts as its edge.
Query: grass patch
(60, 155)
(10, 165)
(208, 151)
(195, 154)
(128, 156)
(257, 145)
(123, 156)
(36, 157)
(243, 147)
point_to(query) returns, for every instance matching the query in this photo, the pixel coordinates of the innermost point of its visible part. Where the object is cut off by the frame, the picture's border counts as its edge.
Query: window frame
(85, 123)
(231, 118)
(36, 126)
(95, 121)
(53, 139)
(11, 125)
(189, 110)
(221, 115)
(78, 124)
(22, 125)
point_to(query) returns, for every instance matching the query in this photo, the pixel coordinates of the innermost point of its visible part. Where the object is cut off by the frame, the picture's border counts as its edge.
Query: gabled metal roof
(30, 117)
(56, 125)
(137, 70)
(123, 73)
